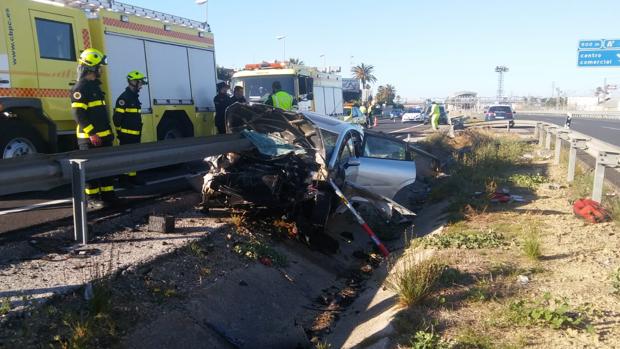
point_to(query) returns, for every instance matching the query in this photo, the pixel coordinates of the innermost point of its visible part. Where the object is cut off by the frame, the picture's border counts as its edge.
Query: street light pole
(204, 2)
(283, 38)
(324, 65)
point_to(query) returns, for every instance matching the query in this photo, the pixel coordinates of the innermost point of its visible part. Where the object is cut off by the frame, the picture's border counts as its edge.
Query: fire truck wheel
(18, 139)
(169, 129)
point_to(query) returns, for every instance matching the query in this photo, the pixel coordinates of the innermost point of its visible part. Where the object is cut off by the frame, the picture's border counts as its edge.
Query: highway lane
(603, 129)
(401, 130)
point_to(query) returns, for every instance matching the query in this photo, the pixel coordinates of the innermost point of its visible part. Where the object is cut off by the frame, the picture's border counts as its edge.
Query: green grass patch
(532, 245)
(459, 236)
(258, 250)
(615, 281)
(427, 339)
(413, 281)
(5, 306)
(549, 312)
(527, 180)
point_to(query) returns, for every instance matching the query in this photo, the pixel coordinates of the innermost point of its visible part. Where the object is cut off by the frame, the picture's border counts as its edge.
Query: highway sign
(599, 58)
(590, 44)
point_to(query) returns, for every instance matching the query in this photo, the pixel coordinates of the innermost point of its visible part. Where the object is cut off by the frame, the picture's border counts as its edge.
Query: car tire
(19, 139)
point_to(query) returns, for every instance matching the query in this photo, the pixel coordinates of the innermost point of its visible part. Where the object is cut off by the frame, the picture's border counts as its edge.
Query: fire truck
(314, 90)
(40, 41)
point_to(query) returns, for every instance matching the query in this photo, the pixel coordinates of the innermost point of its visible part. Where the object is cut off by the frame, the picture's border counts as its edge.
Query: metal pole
(572, 158)
(558, 148)
(548, 139)
(536, 130)
(78, 184)
(599, 179)
(541, 135)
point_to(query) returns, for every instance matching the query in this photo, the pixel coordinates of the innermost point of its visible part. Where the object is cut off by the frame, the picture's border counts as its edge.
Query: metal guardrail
(44, 172)
(613, 115)
(606, 155)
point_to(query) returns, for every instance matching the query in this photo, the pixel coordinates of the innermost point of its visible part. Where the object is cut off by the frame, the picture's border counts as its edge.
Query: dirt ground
(498, 297)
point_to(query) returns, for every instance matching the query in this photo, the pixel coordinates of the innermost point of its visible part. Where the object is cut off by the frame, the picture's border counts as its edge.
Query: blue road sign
(599, 58)
(590, 44)
(611, 44)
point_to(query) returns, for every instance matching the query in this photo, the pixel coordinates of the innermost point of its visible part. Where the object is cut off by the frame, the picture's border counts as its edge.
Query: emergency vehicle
(40, 41)
(316, 91)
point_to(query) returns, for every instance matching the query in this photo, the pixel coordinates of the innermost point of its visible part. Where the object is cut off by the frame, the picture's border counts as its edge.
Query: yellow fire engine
(40, 41)
(314, 90)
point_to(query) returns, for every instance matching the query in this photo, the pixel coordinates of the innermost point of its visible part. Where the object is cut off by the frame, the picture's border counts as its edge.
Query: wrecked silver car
(295, 156)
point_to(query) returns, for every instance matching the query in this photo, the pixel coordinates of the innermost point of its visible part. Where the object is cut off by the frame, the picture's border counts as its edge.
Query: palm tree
(297, 61)
(363, 73)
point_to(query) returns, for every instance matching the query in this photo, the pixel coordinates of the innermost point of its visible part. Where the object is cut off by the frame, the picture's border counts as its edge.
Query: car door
(385, 165)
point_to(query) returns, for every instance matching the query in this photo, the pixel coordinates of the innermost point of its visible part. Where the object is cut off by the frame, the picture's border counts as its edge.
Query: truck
(314, 90)
(41, 40)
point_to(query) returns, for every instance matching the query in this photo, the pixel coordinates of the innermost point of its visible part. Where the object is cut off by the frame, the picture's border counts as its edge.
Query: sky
(423, 48)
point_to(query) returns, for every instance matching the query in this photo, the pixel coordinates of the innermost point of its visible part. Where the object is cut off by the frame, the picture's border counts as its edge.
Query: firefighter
(280, 98)
(93, 124)
(222, 101)
(128, 119)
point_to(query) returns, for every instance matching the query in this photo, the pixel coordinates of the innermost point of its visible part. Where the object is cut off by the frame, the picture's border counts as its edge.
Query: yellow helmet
(137, 76)
(92, 57)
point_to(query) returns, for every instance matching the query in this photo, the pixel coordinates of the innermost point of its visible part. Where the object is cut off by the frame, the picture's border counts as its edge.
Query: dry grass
(413, 279)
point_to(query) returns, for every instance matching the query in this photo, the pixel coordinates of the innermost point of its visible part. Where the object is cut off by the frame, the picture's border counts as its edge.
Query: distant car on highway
(396, 113)
(413, 115)
(500, 112)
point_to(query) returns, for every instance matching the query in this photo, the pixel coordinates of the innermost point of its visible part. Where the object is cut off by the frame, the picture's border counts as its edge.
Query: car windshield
(258, 88)
(414, 110)
(502, 109)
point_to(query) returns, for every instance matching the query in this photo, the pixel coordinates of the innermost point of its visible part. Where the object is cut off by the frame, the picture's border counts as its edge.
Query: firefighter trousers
(100, 187)
(124, 138)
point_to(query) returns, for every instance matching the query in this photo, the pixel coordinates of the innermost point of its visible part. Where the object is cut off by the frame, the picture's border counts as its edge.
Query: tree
(297, 61)
(224, 74)
(386, 94)
(364, 73)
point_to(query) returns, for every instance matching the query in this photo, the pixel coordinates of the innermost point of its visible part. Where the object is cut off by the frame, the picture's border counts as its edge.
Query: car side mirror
(352, 163)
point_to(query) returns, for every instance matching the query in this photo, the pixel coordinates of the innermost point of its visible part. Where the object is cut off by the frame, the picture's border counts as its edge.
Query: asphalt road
(605, 130)
(401, 130)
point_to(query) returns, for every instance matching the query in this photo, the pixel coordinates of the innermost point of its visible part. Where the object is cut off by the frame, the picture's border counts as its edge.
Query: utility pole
(500, 70)
(283, 38)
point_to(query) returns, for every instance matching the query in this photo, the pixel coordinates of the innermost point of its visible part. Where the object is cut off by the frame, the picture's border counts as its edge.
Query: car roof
(330, 124)
(500, 105)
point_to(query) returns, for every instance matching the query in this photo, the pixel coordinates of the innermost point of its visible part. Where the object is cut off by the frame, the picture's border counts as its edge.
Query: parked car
(294, 156)
(396, 113)
(413, 115)
(500, 112)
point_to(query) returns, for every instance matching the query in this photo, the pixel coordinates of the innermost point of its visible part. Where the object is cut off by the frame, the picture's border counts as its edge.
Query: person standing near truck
(280, 98)
(222, 101)
(128, 118)
(93, 126)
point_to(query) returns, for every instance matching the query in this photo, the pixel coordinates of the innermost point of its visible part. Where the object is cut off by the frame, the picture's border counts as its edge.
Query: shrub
(412, 281)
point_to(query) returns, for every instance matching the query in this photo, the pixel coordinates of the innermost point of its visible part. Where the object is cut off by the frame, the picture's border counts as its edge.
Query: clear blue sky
(424, 48)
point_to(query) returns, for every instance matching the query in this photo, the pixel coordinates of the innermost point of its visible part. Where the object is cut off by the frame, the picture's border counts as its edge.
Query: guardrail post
(604, 159)
(78, 184)
(558, 146)
(451, 131)
(576, 143)
(548, 139)
(541, 134)
(537, 130)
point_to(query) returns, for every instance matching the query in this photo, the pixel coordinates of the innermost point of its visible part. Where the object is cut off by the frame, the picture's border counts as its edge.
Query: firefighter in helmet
(128, 118)
(89, 110)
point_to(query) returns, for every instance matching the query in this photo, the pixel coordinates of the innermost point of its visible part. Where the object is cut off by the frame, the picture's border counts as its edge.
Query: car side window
(383, 148)
(348, 150)
(55, 40)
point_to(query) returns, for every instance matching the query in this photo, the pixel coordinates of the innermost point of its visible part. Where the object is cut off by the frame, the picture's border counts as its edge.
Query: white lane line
(35, 206)
(407, 128)
(64, 201)
(611, 128)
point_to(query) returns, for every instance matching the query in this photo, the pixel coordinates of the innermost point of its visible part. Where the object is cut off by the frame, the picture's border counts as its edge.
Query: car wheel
(19, 139)
(170, 129)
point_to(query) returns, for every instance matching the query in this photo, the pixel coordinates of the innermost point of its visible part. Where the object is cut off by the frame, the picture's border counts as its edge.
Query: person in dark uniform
(128, 119)
(89, 110)
(238, 96)
(221, 101)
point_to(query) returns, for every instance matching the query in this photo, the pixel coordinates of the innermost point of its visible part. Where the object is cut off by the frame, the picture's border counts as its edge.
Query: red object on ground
(590, 210)
(376, 119)
(265, 261)
(500, 197)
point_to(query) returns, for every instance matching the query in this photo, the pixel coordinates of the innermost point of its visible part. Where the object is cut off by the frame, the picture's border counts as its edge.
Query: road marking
(65, 201)
(407, 128)
(611, 128)
(35, 206)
